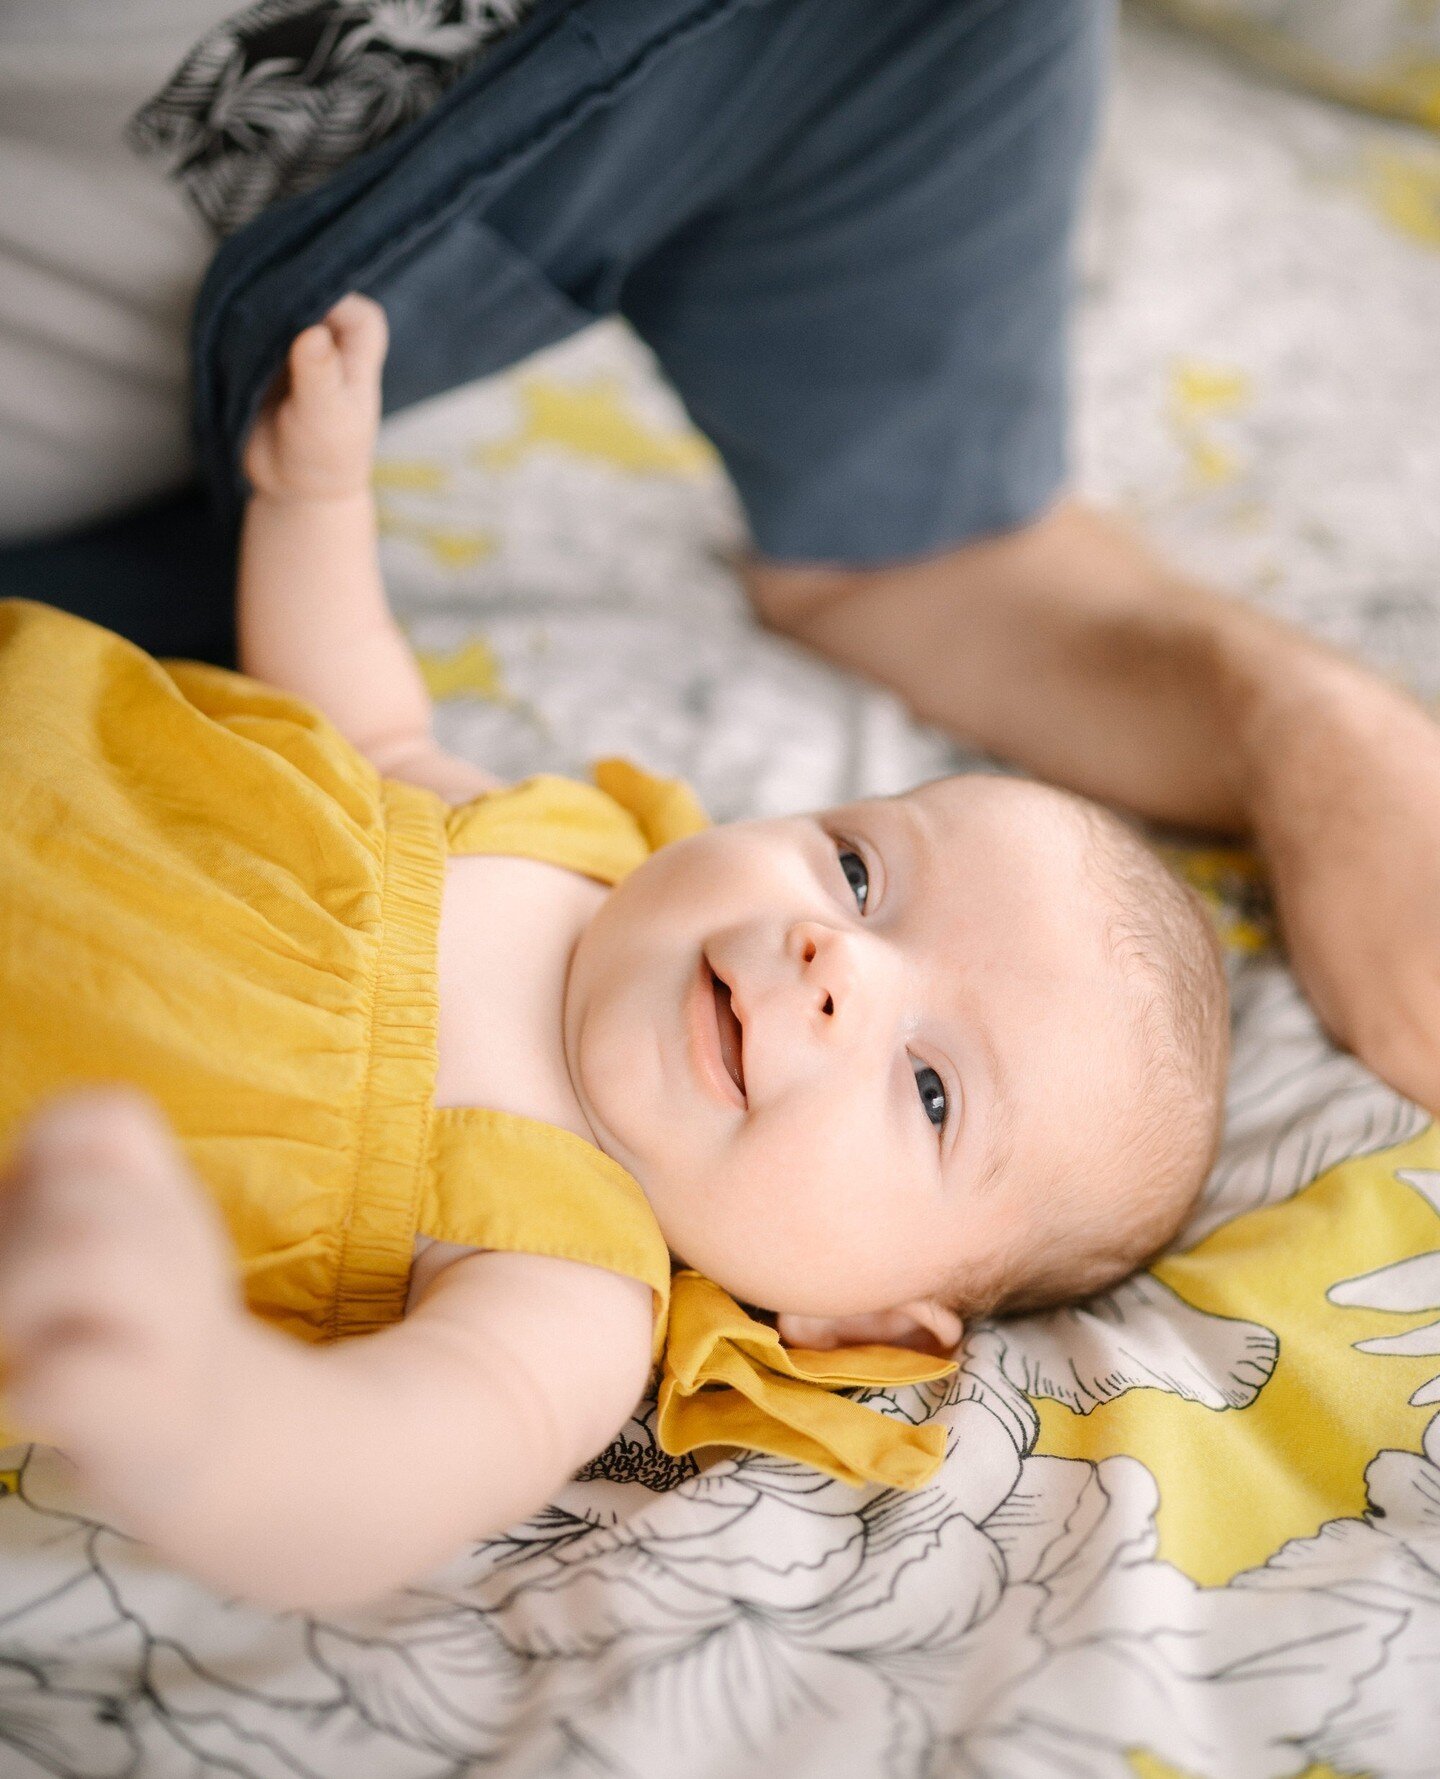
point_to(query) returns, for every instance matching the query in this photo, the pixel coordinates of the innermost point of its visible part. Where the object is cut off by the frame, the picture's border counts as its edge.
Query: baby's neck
(508, 928)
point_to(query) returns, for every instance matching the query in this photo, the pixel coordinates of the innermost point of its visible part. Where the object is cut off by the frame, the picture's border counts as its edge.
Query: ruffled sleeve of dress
(728, 1379)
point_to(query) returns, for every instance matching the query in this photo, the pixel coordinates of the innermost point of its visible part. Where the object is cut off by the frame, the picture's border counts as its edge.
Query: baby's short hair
(1161, 937)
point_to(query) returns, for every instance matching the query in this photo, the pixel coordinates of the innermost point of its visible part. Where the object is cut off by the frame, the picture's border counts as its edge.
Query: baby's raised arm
(313, 618)
(296, 1476)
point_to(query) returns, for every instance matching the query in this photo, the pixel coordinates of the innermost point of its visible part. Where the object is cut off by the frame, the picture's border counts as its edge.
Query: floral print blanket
(1192, 1528)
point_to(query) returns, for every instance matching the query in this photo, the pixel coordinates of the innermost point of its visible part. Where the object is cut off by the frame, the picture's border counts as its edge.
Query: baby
(871, 1071)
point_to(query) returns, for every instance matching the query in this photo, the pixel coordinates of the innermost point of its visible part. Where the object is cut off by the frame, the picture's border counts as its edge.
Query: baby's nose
(828, 967)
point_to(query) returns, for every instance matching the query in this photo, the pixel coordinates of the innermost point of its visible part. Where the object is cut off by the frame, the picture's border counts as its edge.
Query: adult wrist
(1306, 719)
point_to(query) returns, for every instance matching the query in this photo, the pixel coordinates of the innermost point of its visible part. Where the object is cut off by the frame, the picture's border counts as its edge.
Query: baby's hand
(118, 1299)
(315, 437)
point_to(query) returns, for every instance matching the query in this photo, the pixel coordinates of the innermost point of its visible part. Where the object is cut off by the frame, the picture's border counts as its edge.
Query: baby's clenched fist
(118, 1299)
(315, 436)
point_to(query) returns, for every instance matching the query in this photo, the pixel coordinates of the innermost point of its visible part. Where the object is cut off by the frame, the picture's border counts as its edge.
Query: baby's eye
(855, 874)
(932, 1094)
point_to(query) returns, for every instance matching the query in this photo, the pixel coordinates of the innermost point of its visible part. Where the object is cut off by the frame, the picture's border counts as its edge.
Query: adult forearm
(1072, 651)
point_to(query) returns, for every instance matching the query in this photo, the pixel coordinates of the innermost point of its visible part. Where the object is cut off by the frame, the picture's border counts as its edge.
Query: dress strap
(665, 809)
(603, 830)
(499, 1180)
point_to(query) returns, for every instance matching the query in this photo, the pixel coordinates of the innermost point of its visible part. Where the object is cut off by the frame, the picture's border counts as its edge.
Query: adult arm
(1068, 648)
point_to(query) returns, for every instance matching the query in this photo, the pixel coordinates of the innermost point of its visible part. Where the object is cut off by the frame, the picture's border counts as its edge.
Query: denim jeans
(843, 228)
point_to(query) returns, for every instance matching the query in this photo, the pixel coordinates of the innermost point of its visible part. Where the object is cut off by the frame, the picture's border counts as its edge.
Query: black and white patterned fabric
(277, 97)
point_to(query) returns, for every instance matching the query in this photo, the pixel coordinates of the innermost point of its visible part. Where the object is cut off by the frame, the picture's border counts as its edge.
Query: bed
(1190, 1528)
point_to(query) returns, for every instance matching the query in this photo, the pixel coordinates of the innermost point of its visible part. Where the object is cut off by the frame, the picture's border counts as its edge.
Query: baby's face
(928, 1026)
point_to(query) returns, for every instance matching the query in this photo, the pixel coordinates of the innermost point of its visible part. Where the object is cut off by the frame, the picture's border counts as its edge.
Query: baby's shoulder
(577, 1337)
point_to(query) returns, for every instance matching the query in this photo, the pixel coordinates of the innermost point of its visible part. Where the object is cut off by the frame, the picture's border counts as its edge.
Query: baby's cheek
(867, 1226)
(800, 1184)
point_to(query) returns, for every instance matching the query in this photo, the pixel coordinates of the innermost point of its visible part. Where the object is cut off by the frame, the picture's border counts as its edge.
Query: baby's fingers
(89, 1155)
(361, 334)
(71, 1281)
(70, 1254)
(84, 1392)
(114, 1128)
(314, 363)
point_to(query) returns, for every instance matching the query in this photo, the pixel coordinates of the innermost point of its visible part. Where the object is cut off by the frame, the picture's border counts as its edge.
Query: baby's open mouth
(731, 1033)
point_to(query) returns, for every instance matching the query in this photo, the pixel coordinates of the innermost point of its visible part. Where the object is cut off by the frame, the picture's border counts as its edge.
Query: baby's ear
(925, 1325)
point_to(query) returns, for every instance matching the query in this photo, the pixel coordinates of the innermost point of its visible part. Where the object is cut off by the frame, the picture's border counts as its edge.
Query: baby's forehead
(943, 819)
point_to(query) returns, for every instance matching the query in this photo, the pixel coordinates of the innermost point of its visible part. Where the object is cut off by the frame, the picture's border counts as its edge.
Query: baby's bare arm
(313, 618)
(296, 1476)
(349, 1470)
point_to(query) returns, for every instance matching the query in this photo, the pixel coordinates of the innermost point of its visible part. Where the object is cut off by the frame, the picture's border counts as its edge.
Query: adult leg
(789, 200)
(872, 327)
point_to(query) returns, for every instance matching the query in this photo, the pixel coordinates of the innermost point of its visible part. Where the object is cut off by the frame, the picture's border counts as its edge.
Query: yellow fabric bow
(727, 1379)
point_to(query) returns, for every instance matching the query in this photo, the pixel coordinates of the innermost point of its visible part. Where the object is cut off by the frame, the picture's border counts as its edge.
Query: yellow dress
(207, 892)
